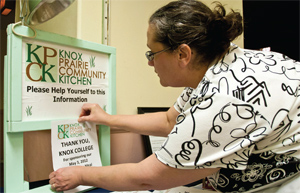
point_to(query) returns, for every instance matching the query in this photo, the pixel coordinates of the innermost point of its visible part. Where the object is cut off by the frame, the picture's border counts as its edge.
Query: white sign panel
(57, 80)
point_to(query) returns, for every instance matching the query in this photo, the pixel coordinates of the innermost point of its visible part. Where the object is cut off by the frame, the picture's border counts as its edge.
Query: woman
(236, 122)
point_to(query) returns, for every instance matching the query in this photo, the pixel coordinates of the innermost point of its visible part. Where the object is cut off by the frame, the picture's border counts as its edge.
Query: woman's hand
(93, 113)
(65, 178)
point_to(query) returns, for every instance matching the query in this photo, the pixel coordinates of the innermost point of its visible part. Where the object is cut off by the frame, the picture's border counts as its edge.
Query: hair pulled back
(208, 32)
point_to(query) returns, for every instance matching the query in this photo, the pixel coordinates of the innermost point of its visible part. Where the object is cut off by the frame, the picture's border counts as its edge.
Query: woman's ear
(184, 55)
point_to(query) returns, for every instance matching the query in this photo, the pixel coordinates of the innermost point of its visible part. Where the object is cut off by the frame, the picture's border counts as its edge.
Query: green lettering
(47, 72)
(29, 53)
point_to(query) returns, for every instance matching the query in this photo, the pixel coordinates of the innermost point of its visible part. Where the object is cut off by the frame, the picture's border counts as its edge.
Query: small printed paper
(74, 144)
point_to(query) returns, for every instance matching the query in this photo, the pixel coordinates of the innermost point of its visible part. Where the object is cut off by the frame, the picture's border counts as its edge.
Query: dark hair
(191, 22)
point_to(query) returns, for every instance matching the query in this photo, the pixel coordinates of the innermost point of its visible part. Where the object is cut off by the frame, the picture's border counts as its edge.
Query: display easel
(14, 123)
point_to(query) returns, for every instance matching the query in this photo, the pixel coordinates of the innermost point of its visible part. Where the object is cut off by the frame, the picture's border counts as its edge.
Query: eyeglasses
(150, 55)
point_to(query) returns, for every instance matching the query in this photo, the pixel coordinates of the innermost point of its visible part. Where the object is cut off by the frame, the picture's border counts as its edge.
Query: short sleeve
(183, 99)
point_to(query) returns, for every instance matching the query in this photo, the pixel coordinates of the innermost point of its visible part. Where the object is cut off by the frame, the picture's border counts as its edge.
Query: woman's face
(164, 63)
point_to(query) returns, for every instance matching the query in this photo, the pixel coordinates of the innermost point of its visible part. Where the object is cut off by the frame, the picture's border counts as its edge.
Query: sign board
(58, 79)
(48, 78)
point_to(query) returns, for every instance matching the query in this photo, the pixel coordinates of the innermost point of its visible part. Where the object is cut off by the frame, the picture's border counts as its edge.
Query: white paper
(74, 144)
(61, 77)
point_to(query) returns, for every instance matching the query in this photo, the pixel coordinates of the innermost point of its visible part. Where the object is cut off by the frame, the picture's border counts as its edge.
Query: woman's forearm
(149, 174)
(158, 124)
(146, 124)
(123, 177)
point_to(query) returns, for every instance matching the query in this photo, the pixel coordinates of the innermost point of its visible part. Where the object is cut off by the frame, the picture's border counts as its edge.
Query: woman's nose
(151, 63)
